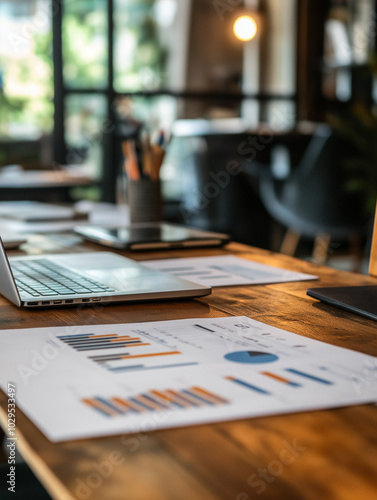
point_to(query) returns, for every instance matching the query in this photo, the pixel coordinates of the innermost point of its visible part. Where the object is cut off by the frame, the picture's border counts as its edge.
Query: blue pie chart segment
(251, 357)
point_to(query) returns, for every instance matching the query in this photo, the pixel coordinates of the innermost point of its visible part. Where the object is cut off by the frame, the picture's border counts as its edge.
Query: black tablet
(360, 300)
(151, 236)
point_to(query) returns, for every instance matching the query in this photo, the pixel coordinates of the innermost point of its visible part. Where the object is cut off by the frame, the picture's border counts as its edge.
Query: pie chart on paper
(251, 357)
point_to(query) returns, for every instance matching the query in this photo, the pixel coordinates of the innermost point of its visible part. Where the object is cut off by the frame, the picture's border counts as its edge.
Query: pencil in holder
(144, 200)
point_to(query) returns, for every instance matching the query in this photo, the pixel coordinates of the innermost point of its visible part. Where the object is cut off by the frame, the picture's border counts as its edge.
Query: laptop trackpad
(142, 281)
(110, 269)
(94, 261)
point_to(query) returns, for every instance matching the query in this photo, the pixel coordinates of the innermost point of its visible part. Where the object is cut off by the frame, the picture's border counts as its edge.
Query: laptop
(94, 277)
(360, 300)
(152, 236)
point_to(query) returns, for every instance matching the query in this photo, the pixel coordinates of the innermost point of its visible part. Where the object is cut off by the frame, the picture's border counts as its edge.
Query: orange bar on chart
(281, 379)
(124, 339)
(119, 406)
(206, 394)
(102, 407)
(130, 404)
(167, 399)
(187, 398)
(131, 345)
(151, 355)
(99, 336)
(147, 402)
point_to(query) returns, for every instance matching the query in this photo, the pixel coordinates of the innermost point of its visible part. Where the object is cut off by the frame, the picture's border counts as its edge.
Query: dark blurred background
(289, 112)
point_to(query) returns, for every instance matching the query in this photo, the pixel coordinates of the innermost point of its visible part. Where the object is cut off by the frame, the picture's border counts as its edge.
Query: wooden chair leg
(373, 251)
(276, 235)
(321, 248)
(290, 242)
(356, 250)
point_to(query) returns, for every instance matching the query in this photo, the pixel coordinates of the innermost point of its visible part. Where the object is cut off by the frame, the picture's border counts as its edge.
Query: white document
(105, 214)
(9, 239)
(84, 381)
(225, 271)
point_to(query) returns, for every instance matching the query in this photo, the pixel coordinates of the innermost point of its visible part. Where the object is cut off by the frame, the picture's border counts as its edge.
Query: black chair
(312, 200)
(209, 202)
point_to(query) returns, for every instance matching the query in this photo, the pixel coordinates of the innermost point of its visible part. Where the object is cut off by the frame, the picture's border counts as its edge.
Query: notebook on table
(360, 300)
(76, 278)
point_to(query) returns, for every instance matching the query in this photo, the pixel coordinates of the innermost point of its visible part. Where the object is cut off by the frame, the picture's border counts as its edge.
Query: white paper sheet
(77, 382)
(103, 214)
(225, 271)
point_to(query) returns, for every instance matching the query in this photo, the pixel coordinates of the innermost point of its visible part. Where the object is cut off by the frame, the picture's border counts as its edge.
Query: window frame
(109, 166)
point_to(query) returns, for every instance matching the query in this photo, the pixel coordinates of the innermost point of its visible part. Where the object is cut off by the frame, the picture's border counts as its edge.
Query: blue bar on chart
(131, 368)
(131, 359)
(90, 342)
(309, 376)
(154, 400)
(140, 362)
(247, 385)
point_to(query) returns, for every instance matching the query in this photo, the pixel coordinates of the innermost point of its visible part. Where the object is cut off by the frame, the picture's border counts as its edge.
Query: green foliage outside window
(17, 106)
(140, 57)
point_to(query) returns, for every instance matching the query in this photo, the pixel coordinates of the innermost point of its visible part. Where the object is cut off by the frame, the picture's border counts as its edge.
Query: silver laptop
(71, 279)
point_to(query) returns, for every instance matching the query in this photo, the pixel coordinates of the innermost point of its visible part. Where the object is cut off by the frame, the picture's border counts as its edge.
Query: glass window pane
(85, 127)
(165, 44)
(140, 54)
(214, 56)
(280, 63)
(281, 116)
(85, 44)
(162, 111)
(155, 112)
(26, 75)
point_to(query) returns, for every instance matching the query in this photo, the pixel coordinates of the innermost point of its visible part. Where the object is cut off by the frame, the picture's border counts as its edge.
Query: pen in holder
(142, 163)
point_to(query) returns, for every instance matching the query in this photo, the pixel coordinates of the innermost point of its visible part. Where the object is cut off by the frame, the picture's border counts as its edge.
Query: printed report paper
(84, 381)
(225, 271)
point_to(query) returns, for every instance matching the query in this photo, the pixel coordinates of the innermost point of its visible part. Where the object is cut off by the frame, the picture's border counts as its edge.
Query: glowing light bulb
(245, 28)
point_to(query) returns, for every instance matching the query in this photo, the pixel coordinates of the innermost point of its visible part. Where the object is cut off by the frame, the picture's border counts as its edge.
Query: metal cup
(144, 200)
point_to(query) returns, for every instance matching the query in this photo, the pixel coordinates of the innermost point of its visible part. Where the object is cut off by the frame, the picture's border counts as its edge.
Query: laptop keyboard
(44, 278)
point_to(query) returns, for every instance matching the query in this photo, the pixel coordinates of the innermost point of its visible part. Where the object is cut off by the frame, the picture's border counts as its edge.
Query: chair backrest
(373, 251)
(315, 189)
(313, 199)
(318, 152)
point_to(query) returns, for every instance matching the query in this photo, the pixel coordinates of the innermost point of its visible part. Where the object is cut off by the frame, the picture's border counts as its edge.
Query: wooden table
(43, 185)
(331, 453)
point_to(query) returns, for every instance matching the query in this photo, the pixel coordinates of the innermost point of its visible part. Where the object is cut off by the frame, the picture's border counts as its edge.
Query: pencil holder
(144, 200)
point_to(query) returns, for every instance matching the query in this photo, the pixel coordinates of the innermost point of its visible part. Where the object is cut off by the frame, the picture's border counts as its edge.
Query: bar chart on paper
(120, 353)
(225, 270)
(268, 382)
(155, 400)
(99, 379)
